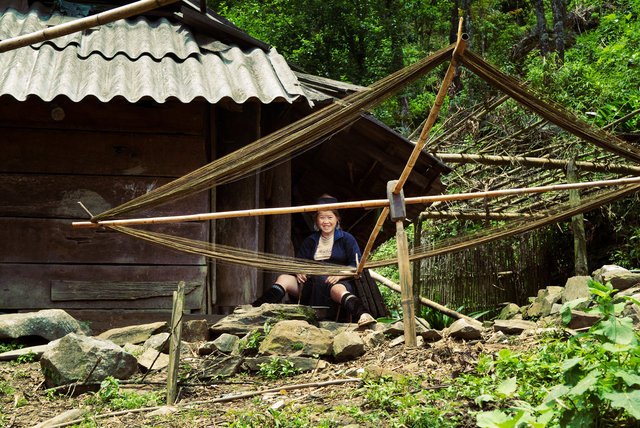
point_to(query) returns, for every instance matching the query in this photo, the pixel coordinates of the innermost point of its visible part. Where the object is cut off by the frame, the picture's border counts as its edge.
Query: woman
(331, 244)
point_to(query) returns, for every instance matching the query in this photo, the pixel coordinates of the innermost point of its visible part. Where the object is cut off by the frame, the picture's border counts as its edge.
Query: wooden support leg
(406, 286)
(174, 348)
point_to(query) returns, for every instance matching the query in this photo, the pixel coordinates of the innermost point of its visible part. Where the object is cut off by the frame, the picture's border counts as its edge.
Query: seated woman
(331, 244)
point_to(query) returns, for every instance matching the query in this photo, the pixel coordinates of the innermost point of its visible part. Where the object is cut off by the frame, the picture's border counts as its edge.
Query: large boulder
(576, 287)
(347, 346)
(296, 337)
(80, 358)
(246, 318)
(513, 326)
(463, 329)
(619, 277)
(543, 303)
(195, 331)
(134, 333)
(49, 324)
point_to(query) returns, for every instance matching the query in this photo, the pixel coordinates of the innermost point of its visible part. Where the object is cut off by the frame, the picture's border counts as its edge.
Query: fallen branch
(217, 400)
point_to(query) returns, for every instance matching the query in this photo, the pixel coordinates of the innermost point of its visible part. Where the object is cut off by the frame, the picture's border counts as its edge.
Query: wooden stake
(406, 298)
(174, 347)
(82, 24)
(577, 226)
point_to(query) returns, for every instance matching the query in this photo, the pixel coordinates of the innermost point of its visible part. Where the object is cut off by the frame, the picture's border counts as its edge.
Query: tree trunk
(541, 24)
(559, 10)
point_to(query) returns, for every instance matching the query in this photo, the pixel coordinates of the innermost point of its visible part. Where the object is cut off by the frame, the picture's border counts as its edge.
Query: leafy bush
(112, 397)
(277, 368)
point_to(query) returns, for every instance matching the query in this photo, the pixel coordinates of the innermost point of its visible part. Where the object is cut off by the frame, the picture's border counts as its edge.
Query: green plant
(10, 345)
(111, 396)
(5, 388)
(277, 368)
(29, 357)
(297, 346)
(253, 341)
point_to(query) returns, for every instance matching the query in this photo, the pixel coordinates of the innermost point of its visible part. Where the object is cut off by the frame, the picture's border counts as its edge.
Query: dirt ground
(25, 402)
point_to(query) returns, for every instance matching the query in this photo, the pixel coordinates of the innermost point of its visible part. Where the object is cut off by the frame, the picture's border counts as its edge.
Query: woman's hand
(301, 277)
(331, 280)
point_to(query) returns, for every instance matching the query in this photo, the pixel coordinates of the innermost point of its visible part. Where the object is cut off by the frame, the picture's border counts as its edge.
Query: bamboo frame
(537, 162)
(372, 238)
(82, 24)
(461, 215)
(372, 203)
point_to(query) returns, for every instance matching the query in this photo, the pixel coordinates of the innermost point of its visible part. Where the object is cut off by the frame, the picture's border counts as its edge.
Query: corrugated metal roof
(136, 59)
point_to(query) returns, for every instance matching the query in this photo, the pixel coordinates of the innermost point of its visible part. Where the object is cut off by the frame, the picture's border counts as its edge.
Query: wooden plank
(99, 153)
(174, 346)
(171, 117)
(113, 290)
(28, 286)
(33, 240)
(57, 196)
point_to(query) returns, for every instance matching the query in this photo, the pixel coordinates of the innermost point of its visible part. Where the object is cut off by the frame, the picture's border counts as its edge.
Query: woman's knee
(337, 291)
(289, 283)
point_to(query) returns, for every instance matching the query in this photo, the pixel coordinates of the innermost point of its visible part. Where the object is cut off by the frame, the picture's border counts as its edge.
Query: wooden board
(171, 117)
(33, 240)
(113, 290)
(57, 196)
(99, 153)
(28, 286)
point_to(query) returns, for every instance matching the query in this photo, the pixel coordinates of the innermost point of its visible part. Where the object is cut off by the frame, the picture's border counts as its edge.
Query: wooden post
(415, 275)
(406, 286)
(577, 224)
(174, 347)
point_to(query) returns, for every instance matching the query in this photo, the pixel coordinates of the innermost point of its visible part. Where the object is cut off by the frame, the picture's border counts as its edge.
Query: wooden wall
(57, 153)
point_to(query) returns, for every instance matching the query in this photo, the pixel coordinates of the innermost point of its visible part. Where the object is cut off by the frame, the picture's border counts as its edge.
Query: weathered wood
(370, 294)
(174, 347)
(577, 226)
(461, 215)
(57, 196)
(404, 268)
(112, 290)
(33, 240)
(28, 286)
(170, 118)
(106, 154)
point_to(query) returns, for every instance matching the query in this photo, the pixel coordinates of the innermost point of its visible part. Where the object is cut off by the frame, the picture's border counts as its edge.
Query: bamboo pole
(428, 303)
(406, 286)
(82, 24)
(435, 110)
(371, 203)
(537, 162)
(174, 347)
(461, 215)
(372, 238)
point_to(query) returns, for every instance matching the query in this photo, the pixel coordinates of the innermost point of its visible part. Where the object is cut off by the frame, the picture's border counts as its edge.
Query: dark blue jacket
(343, 252)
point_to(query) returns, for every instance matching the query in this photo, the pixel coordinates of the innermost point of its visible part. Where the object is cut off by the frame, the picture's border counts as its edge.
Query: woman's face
(327, 222)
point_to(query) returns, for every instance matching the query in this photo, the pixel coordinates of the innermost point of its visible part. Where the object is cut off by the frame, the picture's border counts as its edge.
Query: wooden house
(107, 114)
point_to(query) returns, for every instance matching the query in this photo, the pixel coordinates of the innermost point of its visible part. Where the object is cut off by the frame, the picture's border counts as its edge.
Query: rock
(513, 326)
(225, 366)
(509, 311)
(397, 341)
(67, 416)
(580, 320)
(463, 329)
(576, 287)
(246, 318)
(337, 327)
(74, 356)
(195, 331)
(541, 306)
(498, 337)
(227, 343)
(431, 335)
(49, 324)
(620, 278)
(37, 351)
(135, 333)
(630, 310)
(151, 359)
(159, 342)
(397, 328)
(373, 339)
(300, 337)
(347, 346)
(302, 364)
(135, 350)
(633, 292)
(162, 411)
(376, 372)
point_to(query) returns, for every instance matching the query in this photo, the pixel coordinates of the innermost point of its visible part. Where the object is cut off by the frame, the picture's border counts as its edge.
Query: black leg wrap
(353, 305)
(272, 295)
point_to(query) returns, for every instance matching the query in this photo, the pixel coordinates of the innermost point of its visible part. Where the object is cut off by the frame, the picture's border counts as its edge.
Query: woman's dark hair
(326, 199)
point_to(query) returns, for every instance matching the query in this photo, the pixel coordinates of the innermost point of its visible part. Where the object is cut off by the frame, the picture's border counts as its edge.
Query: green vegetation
(277, 368)
(111, 397)
(10, 345)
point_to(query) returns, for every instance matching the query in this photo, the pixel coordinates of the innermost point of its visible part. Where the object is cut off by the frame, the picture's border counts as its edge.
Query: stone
(542, 304)
(620, 278)
(630, 310)
(227, 343)
(74, 356)
(463, 329)
(135, 334)
(396, 341)
(195, 331)
(375, 372)
(151, 359)
(509, 311)
(498, 337)
(347, 346)
(633, 292)
(431, 335)
(581, 320)
(37, 351)
(576, 287)
(299, 337)
(302, 364)
(246, 318)
(159, 342)
(373, 339)
(397, 328)
(337, 327)
(49, 324)
(60, 419)
(162, 411)
(221, 367)
(513, 326)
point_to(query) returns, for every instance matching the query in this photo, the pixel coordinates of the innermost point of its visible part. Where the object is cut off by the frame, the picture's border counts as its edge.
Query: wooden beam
(406, 286)
(537, 163)
(461, 215)
(174, 347)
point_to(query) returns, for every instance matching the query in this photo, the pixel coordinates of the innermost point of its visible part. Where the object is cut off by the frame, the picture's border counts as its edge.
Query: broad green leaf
(555, 393)
(615, 348)
(586, 383)
(579, 418)
(628, 377)
(507, 387)
(570, 363)
(616, 330)
(494, 419)
(627, 400)
(484, 398)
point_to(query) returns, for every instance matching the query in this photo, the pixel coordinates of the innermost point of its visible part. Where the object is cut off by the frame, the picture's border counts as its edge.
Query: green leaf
(570, 363)
(627, 400)
(483, 398)
(554, 394)
(629, 378)
(495, 419)
(616, 330)
(586, 383)
(507, 387)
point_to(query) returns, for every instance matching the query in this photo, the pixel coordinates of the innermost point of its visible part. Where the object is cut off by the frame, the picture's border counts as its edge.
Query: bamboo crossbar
(462, 215)
(371, 203)
(537, 162)
(82, 24)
